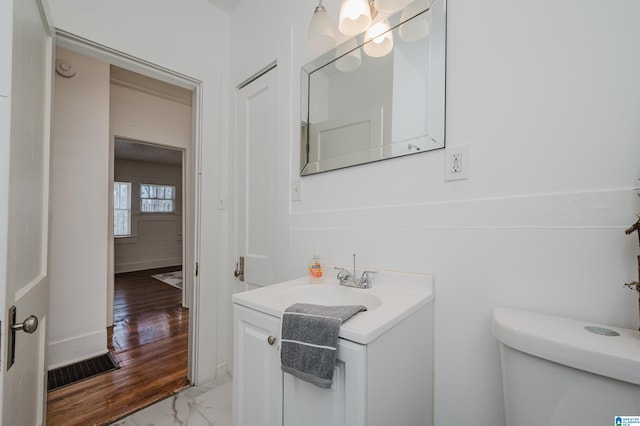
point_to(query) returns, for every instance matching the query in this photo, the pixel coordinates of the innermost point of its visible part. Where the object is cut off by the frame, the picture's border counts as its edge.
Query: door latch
(28, 326)
(239, 272)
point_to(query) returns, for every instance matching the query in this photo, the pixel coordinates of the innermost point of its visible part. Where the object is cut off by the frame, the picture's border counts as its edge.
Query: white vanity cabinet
(384, 368)
(260, 386)
(257, 378)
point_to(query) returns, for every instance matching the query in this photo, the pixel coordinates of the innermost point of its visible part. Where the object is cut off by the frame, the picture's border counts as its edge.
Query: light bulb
(376, 32)
(355, 16)
(351, 11)
(378, 39)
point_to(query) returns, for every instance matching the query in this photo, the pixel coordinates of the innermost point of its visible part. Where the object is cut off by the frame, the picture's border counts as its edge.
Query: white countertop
(393, 297)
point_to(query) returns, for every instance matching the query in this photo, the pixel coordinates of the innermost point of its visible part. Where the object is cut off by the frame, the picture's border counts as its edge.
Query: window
(121, 209)
(157, 198)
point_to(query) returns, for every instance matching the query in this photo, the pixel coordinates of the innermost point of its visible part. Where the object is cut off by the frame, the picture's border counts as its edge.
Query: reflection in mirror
(377, 96)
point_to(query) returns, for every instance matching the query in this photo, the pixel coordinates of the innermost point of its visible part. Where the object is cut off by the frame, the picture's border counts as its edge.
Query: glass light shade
(355, 16)
(321, 36)
(420, 26)
(379, 40)
(390, 6)
(351, 61)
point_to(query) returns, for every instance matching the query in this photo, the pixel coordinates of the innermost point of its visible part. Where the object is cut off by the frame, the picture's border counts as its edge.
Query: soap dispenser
(315, 269)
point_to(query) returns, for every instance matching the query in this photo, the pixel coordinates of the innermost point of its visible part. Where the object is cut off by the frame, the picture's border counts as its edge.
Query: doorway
(148, 212)
(187, 251)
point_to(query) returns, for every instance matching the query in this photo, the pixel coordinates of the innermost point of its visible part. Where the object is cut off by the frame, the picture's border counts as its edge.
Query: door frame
(186, 238)
(191, 173)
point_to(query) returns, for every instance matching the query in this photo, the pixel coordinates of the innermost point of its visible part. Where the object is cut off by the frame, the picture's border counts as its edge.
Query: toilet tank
(555, 372)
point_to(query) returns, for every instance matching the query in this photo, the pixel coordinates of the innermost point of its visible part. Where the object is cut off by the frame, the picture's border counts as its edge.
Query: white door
(26, 49)
(256, 174)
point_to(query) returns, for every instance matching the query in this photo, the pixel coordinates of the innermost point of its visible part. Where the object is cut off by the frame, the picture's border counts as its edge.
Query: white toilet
(555, 372)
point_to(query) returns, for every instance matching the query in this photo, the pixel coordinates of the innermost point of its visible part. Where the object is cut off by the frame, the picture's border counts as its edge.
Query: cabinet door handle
(271, 340)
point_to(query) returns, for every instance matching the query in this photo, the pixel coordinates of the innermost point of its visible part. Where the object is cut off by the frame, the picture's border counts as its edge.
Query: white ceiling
(137, 151)
(225, 5)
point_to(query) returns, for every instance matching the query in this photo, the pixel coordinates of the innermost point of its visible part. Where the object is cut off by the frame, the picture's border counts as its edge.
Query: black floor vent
(73, 373)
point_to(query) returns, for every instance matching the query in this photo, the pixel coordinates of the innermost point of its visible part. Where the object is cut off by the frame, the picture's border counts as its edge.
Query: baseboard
(75, 349)
(146, 264)
(222, 370)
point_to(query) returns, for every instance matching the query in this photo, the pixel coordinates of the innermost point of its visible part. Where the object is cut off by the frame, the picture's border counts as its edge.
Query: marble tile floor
(205, 405)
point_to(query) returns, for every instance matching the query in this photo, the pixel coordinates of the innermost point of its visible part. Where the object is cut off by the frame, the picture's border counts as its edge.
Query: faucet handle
(366, 275)
(343, 274)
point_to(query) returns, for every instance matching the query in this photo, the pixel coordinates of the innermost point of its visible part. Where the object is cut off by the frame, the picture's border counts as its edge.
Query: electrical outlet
(456, 163)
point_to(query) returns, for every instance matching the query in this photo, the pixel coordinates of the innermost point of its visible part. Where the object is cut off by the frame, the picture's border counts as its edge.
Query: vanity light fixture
(357, 16)
(378, 39)
(320, 37)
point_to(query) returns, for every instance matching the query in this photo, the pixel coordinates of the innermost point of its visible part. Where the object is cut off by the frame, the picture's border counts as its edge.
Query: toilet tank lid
(565, 341)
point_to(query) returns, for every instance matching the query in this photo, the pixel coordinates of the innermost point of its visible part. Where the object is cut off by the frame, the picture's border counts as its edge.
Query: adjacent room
(115, 126)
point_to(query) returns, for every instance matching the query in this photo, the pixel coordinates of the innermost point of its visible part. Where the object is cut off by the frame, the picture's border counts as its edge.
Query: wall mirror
(364, 102)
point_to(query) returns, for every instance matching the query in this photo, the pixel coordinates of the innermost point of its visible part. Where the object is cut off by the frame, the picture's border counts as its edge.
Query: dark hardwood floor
(149, 339)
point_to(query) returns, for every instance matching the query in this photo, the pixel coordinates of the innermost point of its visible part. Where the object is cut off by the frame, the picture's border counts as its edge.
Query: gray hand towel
(309, 340)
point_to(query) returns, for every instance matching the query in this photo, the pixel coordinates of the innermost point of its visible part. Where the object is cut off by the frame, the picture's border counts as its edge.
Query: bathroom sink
(393, 297)
(329, 295)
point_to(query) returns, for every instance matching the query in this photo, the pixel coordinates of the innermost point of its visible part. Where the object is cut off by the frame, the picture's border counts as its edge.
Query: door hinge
(197, 267)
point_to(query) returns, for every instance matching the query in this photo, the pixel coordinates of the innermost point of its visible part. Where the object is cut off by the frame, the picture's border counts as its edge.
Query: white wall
(149, 118)
(79, 208)
(156, 238)
(547, 98)
(191, 38)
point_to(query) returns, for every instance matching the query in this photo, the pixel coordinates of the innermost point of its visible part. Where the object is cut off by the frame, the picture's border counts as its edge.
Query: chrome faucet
(349, 279)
